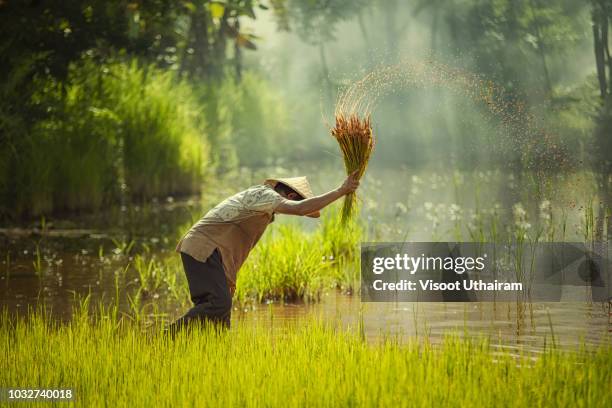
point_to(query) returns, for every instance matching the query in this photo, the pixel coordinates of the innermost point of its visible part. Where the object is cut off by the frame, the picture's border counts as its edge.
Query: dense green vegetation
(107, 104)
(132, 132)
(124, 130)
(109, 361)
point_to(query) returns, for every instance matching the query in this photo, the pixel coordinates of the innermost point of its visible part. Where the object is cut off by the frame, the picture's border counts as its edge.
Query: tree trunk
(606, 48)
(364, 31)
(600, 18)
(221, 42)
(599, 52)
(541, 50)
(363, 28)
(237, 52)
(325, 72)
(391, 26)
(195, 59)
(434, 27)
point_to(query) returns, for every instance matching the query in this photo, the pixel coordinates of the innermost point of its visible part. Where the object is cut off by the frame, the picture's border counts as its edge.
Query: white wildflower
(455, 212)
(401, 208)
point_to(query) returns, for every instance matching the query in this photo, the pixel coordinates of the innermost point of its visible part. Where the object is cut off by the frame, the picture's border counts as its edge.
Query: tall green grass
(121, 130)
(110, 362)
(291, 264)
(341, 245)
(288, 265)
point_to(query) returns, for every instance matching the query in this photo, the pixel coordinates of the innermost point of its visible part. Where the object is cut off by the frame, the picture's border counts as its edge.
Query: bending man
(214, 248)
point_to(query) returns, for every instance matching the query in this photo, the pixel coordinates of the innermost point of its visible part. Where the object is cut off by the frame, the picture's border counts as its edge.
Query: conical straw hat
(299, 184)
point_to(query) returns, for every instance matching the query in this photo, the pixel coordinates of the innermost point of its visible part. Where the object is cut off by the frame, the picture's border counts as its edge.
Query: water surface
(55, 261)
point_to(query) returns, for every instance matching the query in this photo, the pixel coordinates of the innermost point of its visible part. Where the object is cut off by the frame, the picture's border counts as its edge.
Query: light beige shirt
(234, 226)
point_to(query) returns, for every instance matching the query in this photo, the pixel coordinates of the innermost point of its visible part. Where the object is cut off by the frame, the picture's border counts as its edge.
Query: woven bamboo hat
(299, 184)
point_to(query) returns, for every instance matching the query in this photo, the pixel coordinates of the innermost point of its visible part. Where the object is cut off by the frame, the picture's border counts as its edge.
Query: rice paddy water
(136, 269)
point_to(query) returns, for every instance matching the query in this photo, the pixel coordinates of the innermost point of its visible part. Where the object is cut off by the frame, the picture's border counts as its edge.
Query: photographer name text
(431, 285)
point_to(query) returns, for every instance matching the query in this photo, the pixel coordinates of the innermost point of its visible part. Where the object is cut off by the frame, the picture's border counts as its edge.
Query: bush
(112, 130)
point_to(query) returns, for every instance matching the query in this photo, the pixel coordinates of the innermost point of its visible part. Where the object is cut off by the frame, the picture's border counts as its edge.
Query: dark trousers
(209, 292)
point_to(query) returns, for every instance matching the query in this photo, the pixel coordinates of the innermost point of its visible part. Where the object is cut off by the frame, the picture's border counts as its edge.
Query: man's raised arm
(314, 204)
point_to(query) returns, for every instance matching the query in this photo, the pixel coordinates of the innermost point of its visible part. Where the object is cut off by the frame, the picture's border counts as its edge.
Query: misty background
(110, 104)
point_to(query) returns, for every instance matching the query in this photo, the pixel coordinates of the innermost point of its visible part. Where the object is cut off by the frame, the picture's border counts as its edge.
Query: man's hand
(350, 184)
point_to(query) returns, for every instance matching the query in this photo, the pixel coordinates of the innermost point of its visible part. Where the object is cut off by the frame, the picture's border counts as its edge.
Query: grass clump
(113, 362)
(356, 140)
(341, 245)
(287, 265)
(291, 264)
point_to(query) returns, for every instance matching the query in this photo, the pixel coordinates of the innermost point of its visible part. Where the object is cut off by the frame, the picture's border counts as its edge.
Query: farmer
(216, 246)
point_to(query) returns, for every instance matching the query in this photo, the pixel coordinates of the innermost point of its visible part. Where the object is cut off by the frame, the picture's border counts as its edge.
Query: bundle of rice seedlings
(356, 140)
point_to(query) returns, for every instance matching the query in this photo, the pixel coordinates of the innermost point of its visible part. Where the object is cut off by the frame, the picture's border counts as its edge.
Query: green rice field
(96, 321)
(114, 362)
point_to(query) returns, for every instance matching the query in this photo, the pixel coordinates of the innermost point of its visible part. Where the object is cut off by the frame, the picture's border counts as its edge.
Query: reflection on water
(533, 328)
(54, 261)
